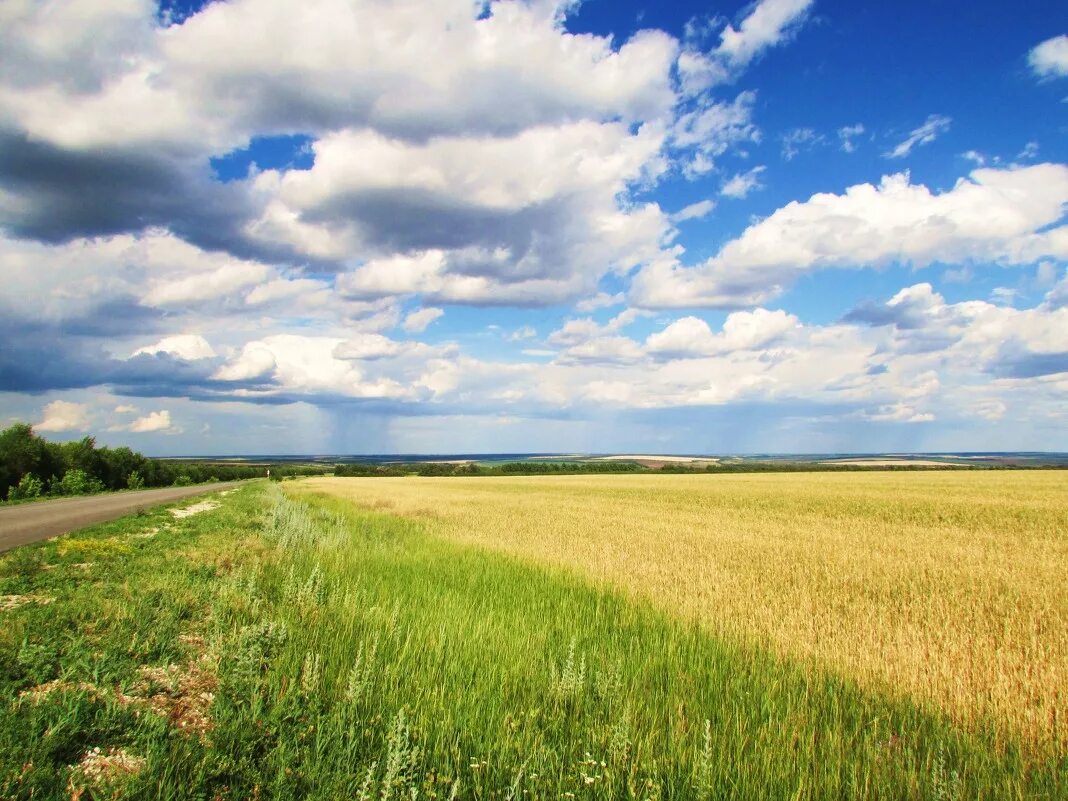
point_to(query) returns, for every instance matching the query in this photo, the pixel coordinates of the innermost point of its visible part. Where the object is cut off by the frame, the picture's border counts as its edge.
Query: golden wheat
(948, 588)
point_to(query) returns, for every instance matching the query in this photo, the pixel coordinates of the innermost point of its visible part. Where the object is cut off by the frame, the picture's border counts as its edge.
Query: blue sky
(353, 226)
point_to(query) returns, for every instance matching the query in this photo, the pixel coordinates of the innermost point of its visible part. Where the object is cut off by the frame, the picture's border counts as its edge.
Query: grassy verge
(281, 649)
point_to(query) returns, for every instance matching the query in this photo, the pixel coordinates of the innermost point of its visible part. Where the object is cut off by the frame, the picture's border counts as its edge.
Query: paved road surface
(29, 522)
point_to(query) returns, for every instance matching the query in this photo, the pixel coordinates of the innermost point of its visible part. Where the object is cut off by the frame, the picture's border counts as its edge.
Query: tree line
(475, 469)
(32, 467)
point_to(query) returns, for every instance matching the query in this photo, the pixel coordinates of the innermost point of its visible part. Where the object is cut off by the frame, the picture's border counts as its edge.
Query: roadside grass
(316, 650)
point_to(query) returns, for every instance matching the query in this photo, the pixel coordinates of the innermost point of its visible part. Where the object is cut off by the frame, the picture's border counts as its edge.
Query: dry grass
(948, 588)
(103, 771)
(9, 602)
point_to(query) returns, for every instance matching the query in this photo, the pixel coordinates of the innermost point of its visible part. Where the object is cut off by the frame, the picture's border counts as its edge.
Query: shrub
(77, 482)
(183, 480)
(135, 480)
(29, 486)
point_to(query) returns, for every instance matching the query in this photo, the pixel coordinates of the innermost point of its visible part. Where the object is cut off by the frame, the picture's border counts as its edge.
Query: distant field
(945, 589)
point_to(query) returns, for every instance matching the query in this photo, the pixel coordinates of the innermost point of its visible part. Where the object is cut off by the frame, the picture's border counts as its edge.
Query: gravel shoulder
(30, 522)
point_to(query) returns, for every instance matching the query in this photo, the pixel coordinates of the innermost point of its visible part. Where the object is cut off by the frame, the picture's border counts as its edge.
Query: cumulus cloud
(491, 161)
(185, 346)
(496, 159)
(996, 339)
(1007, 216)
(441, 145)
(368, 366)
(1050, 58)
(935, 125)
(62, 415)
(151, 422)
(691, 337)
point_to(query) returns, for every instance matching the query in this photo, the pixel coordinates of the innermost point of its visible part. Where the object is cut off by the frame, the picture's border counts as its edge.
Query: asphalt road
(29, 522)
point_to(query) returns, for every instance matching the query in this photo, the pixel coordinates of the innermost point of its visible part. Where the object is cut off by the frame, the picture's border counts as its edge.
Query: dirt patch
(195, 509)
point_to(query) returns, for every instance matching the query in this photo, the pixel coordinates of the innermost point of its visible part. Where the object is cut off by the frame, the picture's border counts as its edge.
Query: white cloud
(741, 184)
(799, 139)
(153, 421)
(474, 220)
(1050, 58)
(367, 347)
(418, 320)
(847, 134)
(577, 331)
(935, 125)
(523, 332)
(1003, 295)
(599, 301)
(324, 64)
(712, 128)
(691, 337)
(125, 408)
(185, 346)
(1005, 216)
(767, 24)
(694, 211)
(60, 415)
(365, 366)
(256, 361)
(221, 282)
(1029, 152)
(494, 138)
(301, 290)
(990, 410)
(899, 413)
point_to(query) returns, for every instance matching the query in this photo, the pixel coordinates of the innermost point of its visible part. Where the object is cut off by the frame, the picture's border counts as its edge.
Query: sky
(448, 226)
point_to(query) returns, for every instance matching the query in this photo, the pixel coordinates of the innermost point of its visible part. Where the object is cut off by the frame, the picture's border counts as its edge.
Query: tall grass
(947, 589)
(354, 654)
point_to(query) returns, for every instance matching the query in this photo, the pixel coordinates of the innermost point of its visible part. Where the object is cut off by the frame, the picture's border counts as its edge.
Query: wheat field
(946, 589)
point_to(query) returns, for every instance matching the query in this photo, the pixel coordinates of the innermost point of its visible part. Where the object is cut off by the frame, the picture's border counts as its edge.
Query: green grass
(352, 655)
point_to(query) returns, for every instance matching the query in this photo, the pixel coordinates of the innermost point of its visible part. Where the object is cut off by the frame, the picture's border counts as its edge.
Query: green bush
(182, 480)
(77, 482)
(29, 486)
(135, 481)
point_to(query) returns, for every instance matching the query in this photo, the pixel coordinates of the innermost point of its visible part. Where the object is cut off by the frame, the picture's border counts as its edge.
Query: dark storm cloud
(49, 360)
(66, 194)
(39, 358)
